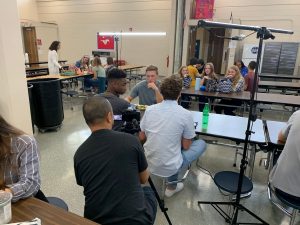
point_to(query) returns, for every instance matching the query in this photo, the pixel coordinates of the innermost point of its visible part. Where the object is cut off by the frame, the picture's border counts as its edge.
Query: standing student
(19, 162)
(53, 64)
(235, 82)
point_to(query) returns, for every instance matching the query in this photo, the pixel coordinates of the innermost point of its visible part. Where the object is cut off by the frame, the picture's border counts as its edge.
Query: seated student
(111, 167)
(249, 78)
(193, 72)
(186, 81)
(19, 162)
(168, 131)
(200, 66)
(243, 69)
(147, 90)
(116, 87)
(99, 78)
(285, 174)
(210, 81)
(236, 82)
(110, 65)
(81, 66)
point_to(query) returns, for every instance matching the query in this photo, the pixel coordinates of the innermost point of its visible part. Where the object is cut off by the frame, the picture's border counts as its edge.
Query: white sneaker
(170, 193)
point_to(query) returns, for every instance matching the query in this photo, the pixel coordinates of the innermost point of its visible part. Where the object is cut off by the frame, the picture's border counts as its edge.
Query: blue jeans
(196, 149)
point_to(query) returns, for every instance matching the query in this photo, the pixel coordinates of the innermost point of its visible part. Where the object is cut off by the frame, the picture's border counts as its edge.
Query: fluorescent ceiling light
(133, 33)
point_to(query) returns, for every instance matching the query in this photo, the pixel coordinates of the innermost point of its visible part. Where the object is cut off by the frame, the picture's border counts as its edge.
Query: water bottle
(197, 84)
(205, 116)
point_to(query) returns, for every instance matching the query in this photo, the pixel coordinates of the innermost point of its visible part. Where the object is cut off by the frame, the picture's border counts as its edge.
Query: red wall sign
(204, 9)
(105, 42)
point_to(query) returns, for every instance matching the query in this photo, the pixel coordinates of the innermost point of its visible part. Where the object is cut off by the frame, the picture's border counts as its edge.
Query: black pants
(202, 101)
(288, 197)
(228, 110)
(185, 101)
(150, 202)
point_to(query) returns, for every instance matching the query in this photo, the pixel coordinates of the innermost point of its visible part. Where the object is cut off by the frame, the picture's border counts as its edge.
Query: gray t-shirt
(118, 105)
(146, 95)
(285, 174)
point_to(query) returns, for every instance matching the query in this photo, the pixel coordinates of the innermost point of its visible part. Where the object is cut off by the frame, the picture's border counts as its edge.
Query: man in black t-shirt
(111, 167)
(116, 86)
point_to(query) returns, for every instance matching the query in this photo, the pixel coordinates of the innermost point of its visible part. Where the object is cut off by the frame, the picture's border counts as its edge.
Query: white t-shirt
(164, 125)
(286, 173)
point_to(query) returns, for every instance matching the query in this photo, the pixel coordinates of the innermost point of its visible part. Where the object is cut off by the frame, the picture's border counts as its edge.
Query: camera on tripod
(131, 121)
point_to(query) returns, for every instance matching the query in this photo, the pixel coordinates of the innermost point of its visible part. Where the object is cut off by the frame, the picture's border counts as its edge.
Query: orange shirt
(192, 72)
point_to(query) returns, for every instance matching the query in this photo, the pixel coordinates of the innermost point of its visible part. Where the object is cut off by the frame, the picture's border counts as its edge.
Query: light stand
(262, 33)
(116, 38)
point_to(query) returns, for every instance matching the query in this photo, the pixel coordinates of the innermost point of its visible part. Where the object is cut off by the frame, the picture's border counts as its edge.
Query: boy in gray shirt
(147, 90)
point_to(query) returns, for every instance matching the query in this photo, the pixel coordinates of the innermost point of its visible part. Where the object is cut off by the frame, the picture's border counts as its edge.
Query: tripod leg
(160, 202)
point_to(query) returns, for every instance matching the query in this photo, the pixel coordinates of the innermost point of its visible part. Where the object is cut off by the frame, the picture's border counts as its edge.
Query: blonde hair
(180, 70)
(237, 76)
(212, 72)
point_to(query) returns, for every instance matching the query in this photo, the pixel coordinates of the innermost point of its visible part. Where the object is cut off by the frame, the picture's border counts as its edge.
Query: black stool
(58, 202)
(228, 181)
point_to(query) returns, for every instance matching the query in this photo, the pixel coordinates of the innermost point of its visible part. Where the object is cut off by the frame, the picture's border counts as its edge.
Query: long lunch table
(60, 77)
(279, 85)
(28, 209)
(232, 128)
(266, 98)
(279, 76)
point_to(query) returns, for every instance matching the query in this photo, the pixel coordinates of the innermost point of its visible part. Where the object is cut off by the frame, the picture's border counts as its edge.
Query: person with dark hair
(110, 65)
(116, 80)
(249, 78)
(200, 66)
(193, 72)
(168, 131)
(147, 90)
(53, 64)
(19, 162)
(111, 167)
(243, 69)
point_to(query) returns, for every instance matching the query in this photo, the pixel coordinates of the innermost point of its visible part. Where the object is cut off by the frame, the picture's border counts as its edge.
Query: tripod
(262, 33)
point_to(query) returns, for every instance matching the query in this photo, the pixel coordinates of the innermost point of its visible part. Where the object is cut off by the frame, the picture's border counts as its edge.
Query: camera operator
(168, 130)
(116, 86)
(111, 167)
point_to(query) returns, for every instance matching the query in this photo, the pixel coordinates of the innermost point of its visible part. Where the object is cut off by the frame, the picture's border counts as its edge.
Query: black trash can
(47, 108)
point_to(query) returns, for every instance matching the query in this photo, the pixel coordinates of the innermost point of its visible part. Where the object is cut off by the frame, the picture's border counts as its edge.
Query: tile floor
(57, 150)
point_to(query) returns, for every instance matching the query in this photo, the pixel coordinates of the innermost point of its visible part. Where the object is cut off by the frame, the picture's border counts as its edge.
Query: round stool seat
(58, 202)
(228, 181)
(288, 200)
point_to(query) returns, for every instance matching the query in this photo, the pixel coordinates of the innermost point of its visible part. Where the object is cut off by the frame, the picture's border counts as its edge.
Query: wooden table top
(57, 77)
(28, 209)
(230, 127)
(277, 84)
(130, 67)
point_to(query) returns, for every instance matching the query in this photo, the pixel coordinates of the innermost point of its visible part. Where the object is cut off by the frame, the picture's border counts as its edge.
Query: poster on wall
(204, 9)
(105, 42)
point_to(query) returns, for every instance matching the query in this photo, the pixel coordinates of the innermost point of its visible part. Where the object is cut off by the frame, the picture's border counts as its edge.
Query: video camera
(131, 121)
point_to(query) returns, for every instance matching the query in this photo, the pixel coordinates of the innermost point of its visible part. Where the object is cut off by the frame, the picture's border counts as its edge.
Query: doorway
(29, 36)
(215, 48)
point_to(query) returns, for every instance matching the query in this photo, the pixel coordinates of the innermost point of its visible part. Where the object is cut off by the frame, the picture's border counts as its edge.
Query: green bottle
(205, 116)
